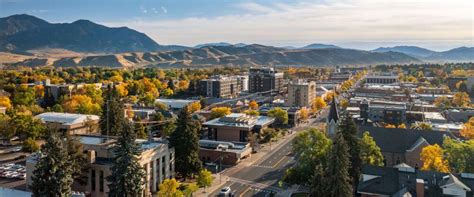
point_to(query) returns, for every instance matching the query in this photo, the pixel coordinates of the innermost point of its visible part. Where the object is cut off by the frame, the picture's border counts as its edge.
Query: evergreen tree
(185, 140)
(349, 131)
(338, 181)
(113, 109)
(77, 160)
(53, 173)
(127, 174)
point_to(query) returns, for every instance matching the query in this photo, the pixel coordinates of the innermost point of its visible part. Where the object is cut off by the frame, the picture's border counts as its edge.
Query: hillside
(229, 56)
(320, 46)
(461, 54)
(19, 33)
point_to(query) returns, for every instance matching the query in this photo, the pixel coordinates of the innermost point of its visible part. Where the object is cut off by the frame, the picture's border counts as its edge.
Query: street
(262, 176)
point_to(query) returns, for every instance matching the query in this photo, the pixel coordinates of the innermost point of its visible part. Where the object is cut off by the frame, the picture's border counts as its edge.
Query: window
(93, 180)
(101, 181)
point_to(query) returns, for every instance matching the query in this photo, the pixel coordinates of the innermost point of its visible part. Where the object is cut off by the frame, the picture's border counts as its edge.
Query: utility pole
(108, 128)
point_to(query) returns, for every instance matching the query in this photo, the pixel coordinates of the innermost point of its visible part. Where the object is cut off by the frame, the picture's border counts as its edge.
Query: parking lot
(12, 167)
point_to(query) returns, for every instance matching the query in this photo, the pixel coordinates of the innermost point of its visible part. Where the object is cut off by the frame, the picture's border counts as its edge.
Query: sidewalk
(216, 185)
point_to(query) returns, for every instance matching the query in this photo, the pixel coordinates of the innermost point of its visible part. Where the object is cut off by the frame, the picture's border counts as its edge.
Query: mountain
(24, 32)
(409, 50)
(320, 46)
(248, 55)
(461, 54)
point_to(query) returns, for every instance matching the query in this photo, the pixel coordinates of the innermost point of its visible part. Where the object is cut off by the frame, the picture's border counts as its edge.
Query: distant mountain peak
(320, 46)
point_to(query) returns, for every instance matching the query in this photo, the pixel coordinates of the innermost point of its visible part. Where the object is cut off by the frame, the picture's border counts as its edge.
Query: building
(404, 180)
(220, 87)
(403, 145)
(227, 153)
(175, 104)
(301, 93)
(470, 84)
(265, 79)
(156, 158)
(72, 124)
(243, 82)
(459, 115)
(452, 81)
(333, 117)
(387, 78)
(236, 127)
(388, 112)
(3, 110)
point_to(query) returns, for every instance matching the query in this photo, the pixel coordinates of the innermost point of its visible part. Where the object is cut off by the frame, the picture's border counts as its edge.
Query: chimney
(420, 188)
(91, 156)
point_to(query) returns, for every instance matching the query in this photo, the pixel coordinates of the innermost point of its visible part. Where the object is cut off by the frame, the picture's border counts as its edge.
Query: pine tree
(77, 160)
(349, 131)
(53, 173)
(127, 174)
(338, 182)
(113, 109)
(185, 140)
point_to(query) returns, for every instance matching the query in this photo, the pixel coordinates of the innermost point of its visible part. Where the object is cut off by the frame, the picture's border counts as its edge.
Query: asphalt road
(261, 178)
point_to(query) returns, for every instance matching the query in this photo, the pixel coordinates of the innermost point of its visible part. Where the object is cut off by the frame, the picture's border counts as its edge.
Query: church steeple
(333, 112)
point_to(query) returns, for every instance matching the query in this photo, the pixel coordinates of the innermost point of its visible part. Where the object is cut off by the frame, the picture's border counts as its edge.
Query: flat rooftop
(175, 103)
(240, 120)
(66, 118)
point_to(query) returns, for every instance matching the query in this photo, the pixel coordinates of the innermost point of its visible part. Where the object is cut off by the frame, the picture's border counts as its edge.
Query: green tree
(185, 140)
(112, 114)
(204, 179)
(24, 96)
(338, 184)
(369, 151)
(78, 161)
(349, 130)
(53, 174)
(459, 154)
(310, 148)
(127, 178)
(280, 115)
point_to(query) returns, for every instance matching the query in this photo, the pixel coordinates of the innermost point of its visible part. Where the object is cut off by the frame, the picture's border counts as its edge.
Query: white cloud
(164, 9)
(347, 21)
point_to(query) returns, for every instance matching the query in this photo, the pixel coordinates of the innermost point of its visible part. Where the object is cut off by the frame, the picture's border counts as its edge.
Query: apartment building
(265, 79)
(301, 93)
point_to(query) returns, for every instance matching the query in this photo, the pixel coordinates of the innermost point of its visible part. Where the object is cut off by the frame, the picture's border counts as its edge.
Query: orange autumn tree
(253, 105)
(468, 129)
(432, 157)
(5, 102)
(194, 107)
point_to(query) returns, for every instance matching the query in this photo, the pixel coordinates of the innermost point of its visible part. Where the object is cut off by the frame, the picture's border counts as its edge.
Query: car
(225, 192)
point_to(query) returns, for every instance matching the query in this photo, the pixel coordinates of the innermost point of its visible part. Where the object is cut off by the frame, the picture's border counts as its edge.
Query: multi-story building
(156, 157)
(236, 127)
(220, 87)
(301, 93)
(70, 124)
(388, 112)
(382, 79)
(265, 79)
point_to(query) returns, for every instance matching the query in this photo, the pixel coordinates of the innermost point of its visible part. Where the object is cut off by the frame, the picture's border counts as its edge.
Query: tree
(253, 105)
(338, 184)
(190, 189)
(421, 126)
(218, 112)
(280, 115)
(461, 99)
(459, 155)
(369, 151)
(185, 140)
(194, 107)
(113, 114)
(5, 102)
(304, 113)
(127, 178)
(328, 96)
(402, 126)
(344, 103)
(467, 130)
(169, 188)
(24, 96)
(349, 130)
(77, 161)
(81, 104)
(318, 104)
(167, 92)
(53, 174)
(461, 86)
(251, 112)
(390, 126)
(442, 102)
(432, 158)
(26, 126)
(204, 179)
(310, 148)
(90, 124)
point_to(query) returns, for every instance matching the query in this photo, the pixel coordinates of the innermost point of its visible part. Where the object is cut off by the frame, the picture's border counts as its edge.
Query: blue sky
(363, 24)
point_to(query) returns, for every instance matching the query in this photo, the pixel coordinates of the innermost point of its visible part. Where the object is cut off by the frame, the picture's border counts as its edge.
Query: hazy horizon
(359, 24)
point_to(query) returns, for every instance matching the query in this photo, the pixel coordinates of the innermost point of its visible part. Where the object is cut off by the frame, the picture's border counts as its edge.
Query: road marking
(276, 164)
(245, 191)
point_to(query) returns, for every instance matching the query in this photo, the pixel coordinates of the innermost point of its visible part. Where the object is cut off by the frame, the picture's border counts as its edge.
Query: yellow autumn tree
(194, 107)
(432, 158)
(461, 99)
(402, 126)
(253, 105)
(391, 126)
(122, 89)
(318, 104)
(468, 129)
(304, 113)
(5, 102)
(81, 104)
(218, 112)
(39, 91)
(328, 97)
